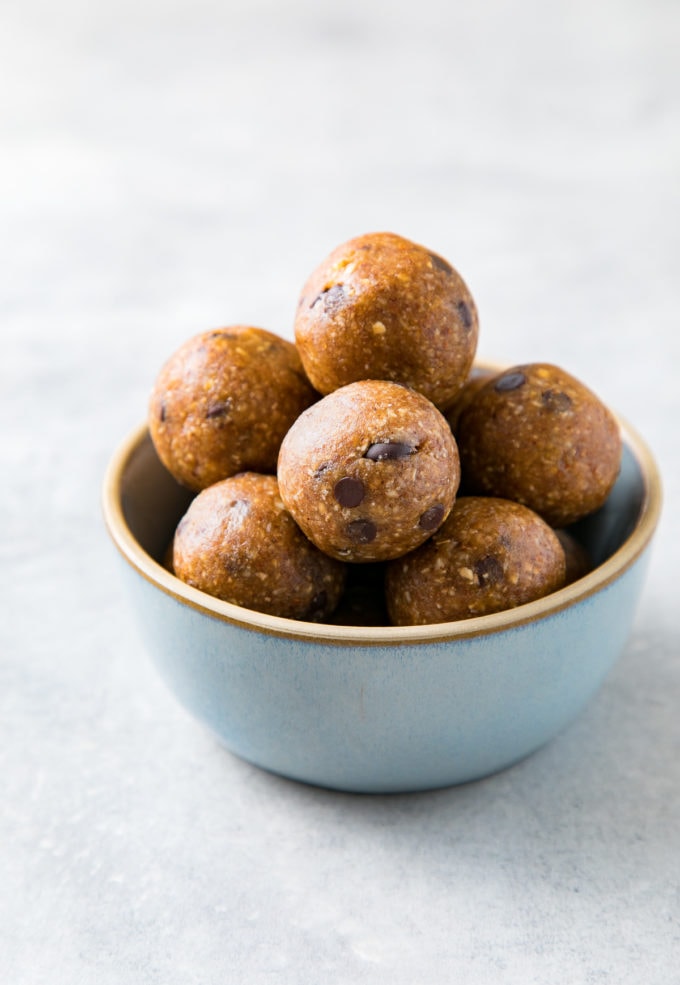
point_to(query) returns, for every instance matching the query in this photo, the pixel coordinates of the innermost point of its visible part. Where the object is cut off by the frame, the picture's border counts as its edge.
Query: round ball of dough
(223, 401)
(238, 542)
(537, 435)
(370, 471)
(382, 307)
(490, 554)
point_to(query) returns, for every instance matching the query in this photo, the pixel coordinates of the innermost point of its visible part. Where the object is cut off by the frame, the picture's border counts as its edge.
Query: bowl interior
(153, 503)
(143, 505)
(604, 532)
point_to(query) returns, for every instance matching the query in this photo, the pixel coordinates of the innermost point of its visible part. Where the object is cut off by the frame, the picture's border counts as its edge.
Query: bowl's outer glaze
(387, 718)
(378, 714)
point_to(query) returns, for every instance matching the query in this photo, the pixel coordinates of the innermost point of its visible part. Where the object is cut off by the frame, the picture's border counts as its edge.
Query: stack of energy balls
(369, 473)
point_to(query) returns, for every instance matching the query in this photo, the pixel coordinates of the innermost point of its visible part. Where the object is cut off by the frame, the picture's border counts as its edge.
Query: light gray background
(171, 167)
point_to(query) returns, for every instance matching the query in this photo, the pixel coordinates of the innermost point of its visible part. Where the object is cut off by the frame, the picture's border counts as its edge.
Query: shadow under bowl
(382, 709)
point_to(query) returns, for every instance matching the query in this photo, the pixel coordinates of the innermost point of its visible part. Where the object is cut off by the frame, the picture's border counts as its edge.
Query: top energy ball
(382, 307)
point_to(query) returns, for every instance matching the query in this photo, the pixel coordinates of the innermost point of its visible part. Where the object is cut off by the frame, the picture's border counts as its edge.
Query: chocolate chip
(432, 517)
(223, 334)
(332, 297)
(441, 264)
(361, 531)
(510, 381)
(242, 505)
(276, 345)
(465, 314)
(348, 491)
(557, 401)
(381, 450)
(219, 409)
(320, 469)
(489, 570)
(162, 412)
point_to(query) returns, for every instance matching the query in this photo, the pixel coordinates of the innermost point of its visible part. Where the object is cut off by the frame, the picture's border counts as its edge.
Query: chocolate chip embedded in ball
(432, 518)
(222, 403)
(370, 471)
(238, 543)
(349, 492)
(537, 435)
(383, 307)
(510, 381)
(490, 554)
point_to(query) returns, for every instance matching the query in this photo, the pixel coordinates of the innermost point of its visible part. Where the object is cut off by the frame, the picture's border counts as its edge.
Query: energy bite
(490, 554)
(223, 401)
(382, 307)
(370, 471)
(238, 543)
(537, 435)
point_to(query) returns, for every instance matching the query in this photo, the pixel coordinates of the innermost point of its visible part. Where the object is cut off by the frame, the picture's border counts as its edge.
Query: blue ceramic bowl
(382, 709)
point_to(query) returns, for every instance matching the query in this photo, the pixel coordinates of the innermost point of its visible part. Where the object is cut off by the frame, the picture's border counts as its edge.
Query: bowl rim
(330, 633)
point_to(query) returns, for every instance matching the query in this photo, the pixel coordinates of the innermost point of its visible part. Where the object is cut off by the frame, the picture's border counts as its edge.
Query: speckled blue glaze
(389, 710)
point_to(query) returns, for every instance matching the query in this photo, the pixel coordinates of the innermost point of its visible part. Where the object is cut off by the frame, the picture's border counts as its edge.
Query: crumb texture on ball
(491, 554)
(370, 471)
(223, 401)
(238, 543)
(537, 435)
(382, 307)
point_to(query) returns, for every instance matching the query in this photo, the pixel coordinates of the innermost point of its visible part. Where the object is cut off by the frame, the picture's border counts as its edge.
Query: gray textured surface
(166, 168)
